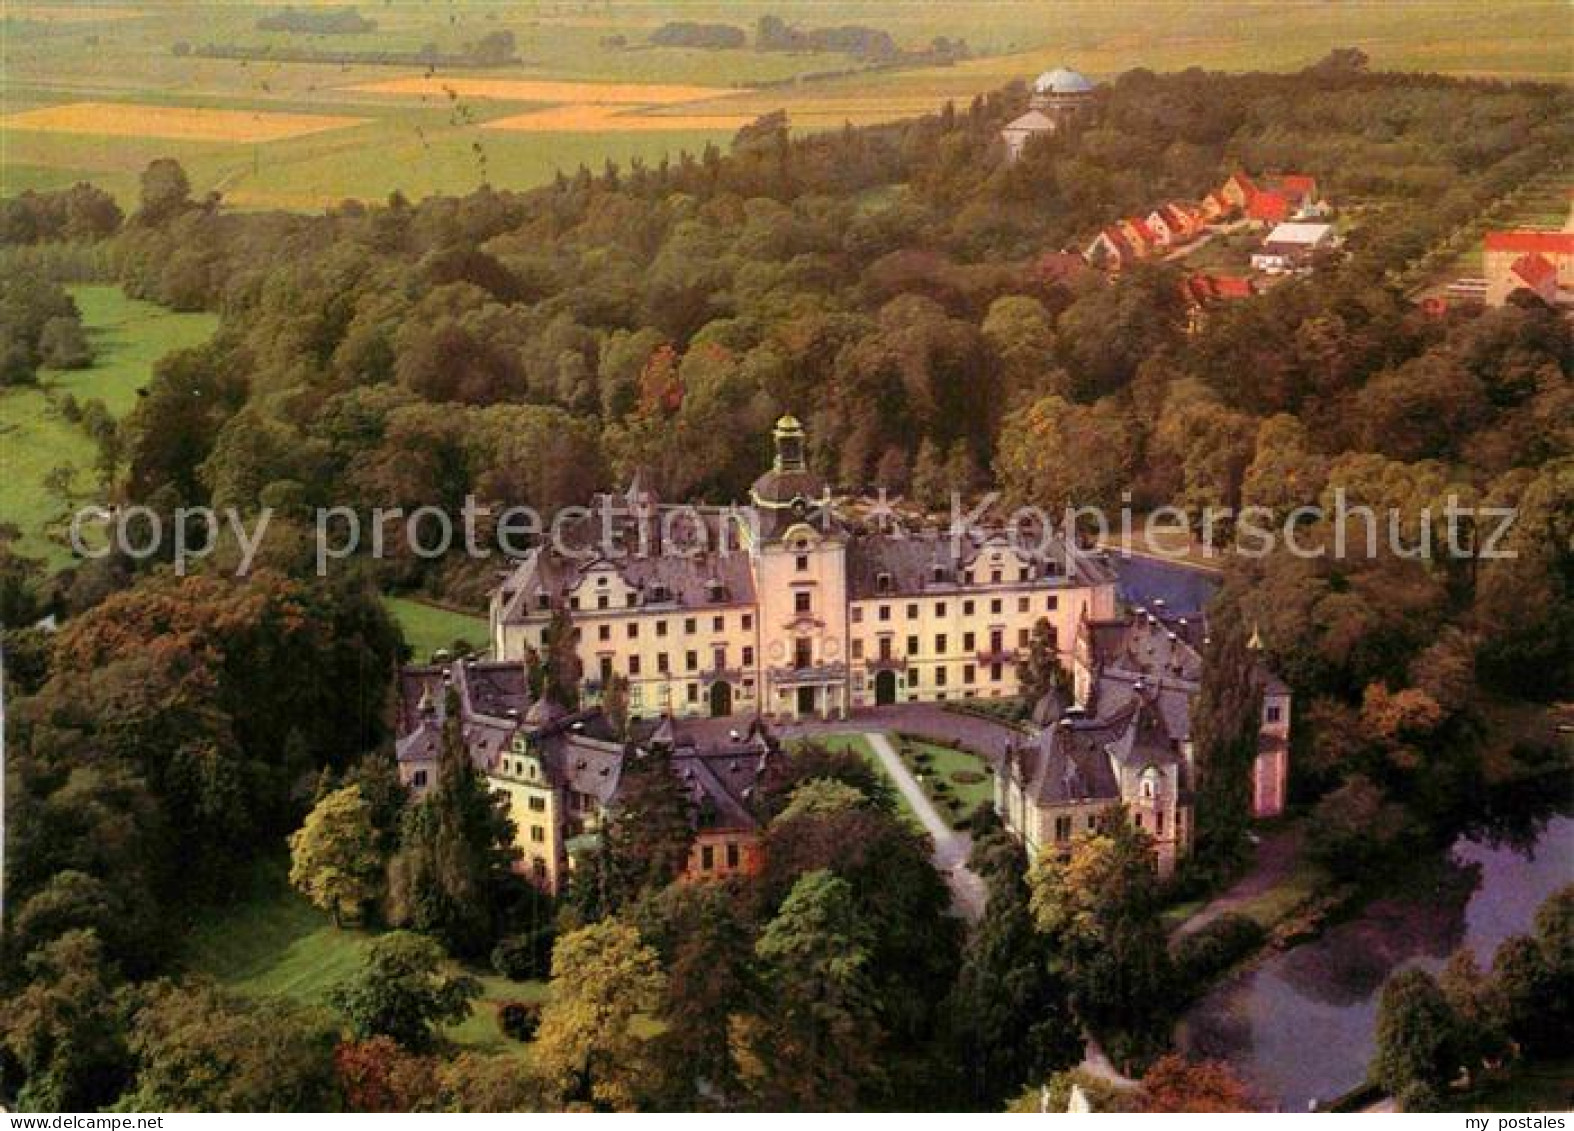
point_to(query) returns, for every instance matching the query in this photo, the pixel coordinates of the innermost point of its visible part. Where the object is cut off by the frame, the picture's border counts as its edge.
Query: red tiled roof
(1144, 232)
(1544, 243)
(1244, 181)
(1204, 288)
(1298, 183)
(1267, 206)
(1535, 270)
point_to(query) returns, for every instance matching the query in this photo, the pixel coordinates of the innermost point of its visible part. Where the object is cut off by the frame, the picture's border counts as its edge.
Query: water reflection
(1299, 1027)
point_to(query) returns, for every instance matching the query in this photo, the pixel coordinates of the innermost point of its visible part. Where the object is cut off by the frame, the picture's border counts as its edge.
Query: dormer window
(937, 574)
(543, 599)
(660, 594)
(882, 582)
(715, 590)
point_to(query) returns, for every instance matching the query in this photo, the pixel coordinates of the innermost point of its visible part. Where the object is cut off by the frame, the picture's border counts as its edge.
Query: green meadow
(272, 943)
(128, 336)
(428, 627)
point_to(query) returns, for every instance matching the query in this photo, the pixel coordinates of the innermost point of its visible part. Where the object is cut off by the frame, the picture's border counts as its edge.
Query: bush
(967, 777)
(526, 957)
(519, 1019)
(1210, 950)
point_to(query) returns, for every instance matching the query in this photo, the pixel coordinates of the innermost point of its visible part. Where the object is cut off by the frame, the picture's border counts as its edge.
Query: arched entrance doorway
(884, 688)
(720, 699)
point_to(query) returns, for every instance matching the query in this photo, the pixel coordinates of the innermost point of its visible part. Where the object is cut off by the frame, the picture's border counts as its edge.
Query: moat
(1299, 1027)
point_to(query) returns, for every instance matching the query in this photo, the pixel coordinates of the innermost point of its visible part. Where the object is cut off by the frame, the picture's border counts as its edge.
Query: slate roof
(1142, 580)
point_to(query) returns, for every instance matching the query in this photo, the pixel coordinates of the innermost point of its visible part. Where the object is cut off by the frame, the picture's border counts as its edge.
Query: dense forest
(887, 285)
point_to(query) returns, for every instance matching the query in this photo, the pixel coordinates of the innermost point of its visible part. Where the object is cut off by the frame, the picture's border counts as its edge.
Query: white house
(1291, 246)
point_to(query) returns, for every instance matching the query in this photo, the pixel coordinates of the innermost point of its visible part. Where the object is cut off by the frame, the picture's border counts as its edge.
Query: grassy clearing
(128, 336)
(428, 627)
(272, 943)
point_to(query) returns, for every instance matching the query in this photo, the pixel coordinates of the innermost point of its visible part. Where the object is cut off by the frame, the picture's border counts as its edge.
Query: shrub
(519, 1019)
(967, 777)
(525, 957)
(1214, 948)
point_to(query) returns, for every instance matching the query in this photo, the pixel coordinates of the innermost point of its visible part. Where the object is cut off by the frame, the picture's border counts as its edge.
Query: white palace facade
(787, 613)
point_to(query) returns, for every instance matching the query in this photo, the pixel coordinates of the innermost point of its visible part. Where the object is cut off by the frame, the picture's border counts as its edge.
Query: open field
(428, 627)
(537, 90)
(128, 336)
(414, 138)
(178, 123)
(272, 943)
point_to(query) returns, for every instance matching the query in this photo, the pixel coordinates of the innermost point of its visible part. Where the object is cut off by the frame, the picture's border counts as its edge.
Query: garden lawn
(966, 779)
(272, 943)
(128, 336)
(428, 627)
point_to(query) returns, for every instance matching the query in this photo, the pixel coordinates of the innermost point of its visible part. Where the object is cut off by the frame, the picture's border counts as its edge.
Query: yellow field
(541, 90)
(611, 119)
(176, 123)
(66, 14)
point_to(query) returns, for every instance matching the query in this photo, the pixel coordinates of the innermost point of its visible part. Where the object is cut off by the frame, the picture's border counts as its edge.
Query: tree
(334, 857)
(201, 1049)
(1098, 907)
(1174, 1084)
(1417, 1035)
(64, 1029)
(456, 852)
(165, 191)
(706, 942)
(379, 1075)
(1011, 1020)
(615, 704)
(818, 1048)
(63, 345)
(651, 826)
(403, 990)
(561, 669)
(1040, 671)
(588, 1050)
(1225, 723)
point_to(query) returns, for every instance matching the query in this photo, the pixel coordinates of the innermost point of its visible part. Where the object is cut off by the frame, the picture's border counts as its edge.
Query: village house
(788, 613)
(1058, 96)
(1124, 739)
(1292, 246)
(1203, 291)
(1273, 198)
(561, 771)
(1540, 262)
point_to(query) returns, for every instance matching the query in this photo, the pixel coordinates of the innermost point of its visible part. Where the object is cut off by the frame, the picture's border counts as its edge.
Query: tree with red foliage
(1175, 1084)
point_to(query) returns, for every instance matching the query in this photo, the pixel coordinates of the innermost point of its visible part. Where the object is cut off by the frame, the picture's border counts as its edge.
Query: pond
(1299, 1028)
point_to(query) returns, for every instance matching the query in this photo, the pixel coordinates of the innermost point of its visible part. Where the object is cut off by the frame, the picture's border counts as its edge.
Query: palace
(779, 610)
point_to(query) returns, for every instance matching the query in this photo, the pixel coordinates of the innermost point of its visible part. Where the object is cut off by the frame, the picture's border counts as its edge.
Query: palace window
(717, 624)
(707, 857)
(1274, 714)
(940, 677)
(418, 779)
(858, 649)
(1062, 828)
(885, 612)
(537, 833)
(633, 630)
(994, 606)
(940, 644)
(604, 632)
(967, 608)
(912, 645)
(538, 804)
(732, 854)
(691, 661)
(689, 626)
(969, 674)
(603, 601)
(994, 577)
(748, 655)
(606, 668)
(968, 641)
(940, 609)
(1022, 604)
(748, 622)
(802, 601)
(801, 563)
(633, 665)
(912, 612)
(661, 663)
(661, 628)
(1052, 602)
(857, 614)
